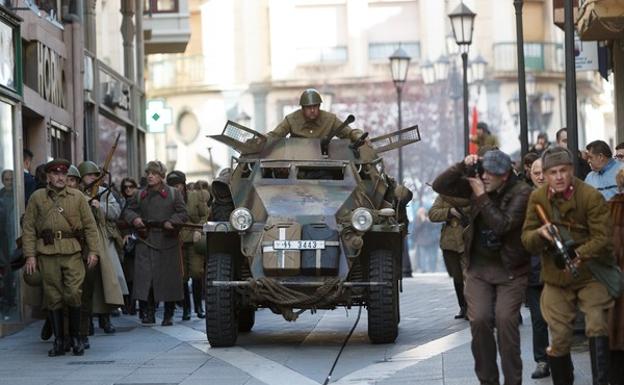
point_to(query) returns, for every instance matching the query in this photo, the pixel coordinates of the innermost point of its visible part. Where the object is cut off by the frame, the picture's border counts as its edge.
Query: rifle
(325, 141)
(563, 251)
(94, 187)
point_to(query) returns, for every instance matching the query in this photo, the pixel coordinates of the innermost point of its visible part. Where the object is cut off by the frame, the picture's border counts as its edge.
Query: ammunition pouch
(48, 237)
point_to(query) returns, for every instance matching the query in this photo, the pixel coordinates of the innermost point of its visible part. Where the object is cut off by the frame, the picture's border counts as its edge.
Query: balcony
(178, 72)
(166, 26)
(538, 57)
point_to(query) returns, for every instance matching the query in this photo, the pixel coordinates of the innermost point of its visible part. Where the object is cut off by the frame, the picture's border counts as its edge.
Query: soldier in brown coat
(454, 213)
(153, 211)
(581, 215)
(57, 225)
(312, 122)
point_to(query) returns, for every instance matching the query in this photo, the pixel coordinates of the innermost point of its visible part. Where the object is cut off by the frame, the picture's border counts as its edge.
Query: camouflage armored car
(303, 224)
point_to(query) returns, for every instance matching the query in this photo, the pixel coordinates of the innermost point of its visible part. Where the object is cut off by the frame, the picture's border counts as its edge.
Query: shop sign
(7, 56)
(45, 74)
(585, 54)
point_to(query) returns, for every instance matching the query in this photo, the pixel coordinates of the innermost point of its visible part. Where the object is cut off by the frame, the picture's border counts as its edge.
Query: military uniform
(297, 126)
(582, 213)
(52, 223)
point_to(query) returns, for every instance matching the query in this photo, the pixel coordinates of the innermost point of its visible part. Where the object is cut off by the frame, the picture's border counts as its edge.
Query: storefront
(11, 192)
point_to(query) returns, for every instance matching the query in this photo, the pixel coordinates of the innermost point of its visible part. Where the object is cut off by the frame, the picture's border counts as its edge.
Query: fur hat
(156, 167)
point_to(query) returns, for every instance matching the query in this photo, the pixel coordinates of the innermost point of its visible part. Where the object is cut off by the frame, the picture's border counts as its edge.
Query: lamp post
(399, 64)
(172, 155)
(524, 139)
(462, 22)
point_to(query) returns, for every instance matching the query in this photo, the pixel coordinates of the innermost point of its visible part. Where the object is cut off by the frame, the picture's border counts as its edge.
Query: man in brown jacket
(581, 215)
(153, 211)
(453, 212)
(497, 264)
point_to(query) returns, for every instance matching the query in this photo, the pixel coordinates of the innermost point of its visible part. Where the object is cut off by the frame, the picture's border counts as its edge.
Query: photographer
(497, 264)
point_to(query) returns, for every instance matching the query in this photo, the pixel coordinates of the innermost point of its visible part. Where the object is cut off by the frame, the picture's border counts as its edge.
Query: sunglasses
(619, 156)
(128, 186)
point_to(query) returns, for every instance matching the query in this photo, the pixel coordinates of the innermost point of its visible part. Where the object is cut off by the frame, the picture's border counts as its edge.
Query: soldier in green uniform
(582, 216)
(197, 209)
(311, 122)
(57, 219)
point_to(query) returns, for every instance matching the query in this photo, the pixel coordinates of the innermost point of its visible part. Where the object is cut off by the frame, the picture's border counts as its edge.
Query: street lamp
(477, 68)
(172, 154)
(399, 64)
(462, 22)
(547, 103)
(427, 72)
(441, 68)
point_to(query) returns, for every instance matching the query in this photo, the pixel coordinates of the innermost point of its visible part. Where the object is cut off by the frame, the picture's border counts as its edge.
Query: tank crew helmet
(176, 177)
(58, 165)
(73, 171)
(310, 97)
(88, 167)
(156, 167)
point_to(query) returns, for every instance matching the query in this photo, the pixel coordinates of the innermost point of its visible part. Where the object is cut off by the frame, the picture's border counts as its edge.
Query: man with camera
(497, 265)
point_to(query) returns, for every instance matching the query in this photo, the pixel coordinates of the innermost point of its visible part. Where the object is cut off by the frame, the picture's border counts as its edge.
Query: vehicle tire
(383, 301)
(246, 319)
(221, 317)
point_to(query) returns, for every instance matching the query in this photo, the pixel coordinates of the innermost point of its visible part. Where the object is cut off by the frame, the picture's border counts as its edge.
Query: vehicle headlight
(241, 219)
(362, 219)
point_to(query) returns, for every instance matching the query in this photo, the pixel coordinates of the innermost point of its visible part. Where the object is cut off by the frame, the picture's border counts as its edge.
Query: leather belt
(62, 235)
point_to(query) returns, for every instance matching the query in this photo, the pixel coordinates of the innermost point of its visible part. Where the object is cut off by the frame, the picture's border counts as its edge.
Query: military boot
(74, 330)
(459, 292)
(149, 310)
(46, 329)
(599, 354)
(58, 348)
(561, 370)
(197, 298)
(168, 315)
(186, 304)
(106, 324)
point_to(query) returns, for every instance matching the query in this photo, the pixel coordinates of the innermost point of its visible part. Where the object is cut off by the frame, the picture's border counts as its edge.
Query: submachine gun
(563, 248)
(325, 141)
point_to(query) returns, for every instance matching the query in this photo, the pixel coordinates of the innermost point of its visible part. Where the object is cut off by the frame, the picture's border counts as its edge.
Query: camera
(475, 170)
(490, 240)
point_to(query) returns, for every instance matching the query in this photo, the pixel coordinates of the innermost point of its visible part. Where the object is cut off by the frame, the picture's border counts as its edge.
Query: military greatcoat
(157, 257)
(297, 126)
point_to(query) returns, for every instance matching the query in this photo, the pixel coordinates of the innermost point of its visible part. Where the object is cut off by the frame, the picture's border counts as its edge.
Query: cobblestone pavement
(432, 348)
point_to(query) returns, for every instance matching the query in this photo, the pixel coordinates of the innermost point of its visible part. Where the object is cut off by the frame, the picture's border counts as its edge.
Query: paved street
(432, 348)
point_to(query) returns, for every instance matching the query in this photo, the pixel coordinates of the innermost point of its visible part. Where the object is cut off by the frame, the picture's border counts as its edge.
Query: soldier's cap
(556, 156)
(157, 167)
(58, 165)
(496, 162)
(176, 177)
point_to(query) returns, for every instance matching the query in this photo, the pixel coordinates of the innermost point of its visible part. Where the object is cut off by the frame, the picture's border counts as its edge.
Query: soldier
(197, 210)
(153, 211)
(312, 122)
(73, 177)
(106, 210)
(57, 219)
(582, 216)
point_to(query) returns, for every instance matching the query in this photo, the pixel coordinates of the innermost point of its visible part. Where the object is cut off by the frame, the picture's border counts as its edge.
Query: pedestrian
(197, 210)
(454, 213)
(562, 141)
(527, 162)
(541, 144)
(604, 168)
(582, 217)
(539, 330)
(154, 211)
(484, 137)
(106, 210)
(497, 264)
(619, 152)
(56, 219)
(129, 187)
(30, 183)
(616, 313)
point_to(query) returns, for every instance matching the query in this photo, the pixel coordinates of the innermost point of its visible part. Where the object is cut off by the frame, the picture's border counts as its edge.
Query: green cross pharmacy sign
(158, 115)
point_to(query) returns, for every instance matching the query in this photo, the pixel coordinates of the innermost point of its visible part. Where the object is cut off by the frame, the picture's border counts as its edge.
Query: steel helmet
(310, 97)
(88, 167)
(73, 171)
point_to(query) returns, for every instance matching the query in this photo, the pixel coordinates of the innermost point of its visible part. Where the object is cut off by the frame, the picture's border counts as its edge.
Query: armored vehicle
(304, 224)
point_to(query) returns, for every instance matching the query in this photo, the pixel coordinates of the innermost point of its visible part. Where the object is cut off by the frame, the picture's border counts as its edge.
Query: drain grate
(90, 362)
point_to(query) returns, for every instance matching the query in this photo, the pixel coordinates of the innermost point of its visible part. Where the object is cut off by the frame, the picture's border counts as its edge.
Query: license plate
(298, 245)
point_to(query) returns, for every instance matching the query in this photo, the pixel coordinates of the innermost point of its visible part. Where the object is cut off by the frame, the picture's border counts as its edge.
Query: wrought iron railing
(538, 57)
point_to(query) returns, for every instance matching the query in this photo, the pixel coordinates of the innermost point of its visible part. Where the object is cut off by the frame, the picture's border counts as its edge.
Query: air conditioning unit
(116, 95)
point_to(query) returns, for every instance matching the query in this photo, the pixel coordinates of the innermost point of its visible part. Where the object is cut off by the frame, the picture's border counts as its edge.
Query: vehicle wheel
(246, 319)
(221, 320)
(382, 300)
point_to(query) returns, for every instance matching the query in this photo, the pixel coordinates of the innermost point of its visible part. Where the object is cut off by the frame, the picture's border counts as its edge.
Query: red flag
(473, 131)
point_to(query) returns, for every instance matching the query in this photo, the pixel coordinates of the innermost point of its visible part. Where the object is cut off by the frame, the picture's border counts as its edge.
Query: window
(382, 51)
(277, 172)
(389, 23)
(60, 140)
(160, 6)
(322, 44)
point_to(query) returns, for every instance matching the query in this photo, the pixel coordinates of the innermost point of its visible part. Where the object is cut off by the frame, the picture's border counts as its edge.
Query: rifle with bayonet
(564, 251)
(93, 189)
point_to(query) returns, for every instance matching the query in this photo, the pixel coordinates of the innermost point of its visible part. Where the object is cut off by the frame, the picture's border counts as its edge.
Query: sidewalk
(432, 349)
